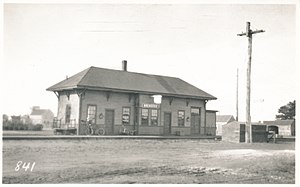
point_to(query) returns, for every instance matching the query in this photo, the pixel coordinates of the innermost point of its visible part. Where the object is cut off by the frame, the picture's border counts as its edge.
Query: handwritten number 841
(25, 166)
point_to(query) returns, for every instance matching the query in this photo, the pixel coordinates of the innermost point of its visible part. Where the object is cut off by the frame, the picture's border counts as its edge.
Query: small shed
(222, 120)
(236, 132)
(284, 127)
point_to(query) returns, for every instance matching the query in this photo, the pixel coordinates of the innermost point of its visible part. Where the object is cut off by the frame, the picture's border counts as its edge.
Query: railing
(57, 124)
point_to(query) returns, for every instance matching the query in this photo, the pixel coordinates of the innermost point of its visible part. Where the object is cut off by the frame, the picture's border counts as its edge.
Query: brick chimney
(124, 65)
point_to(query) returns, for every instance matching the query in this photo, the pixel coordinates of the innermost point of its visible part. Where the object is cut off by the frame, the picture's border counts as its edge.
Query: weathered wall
(151, 130)
(210, 123)
(116, 101)
(259, 133)
(169, 105)
(231, 132)
(235, 132)
(285, 130)
(219, 128)
(108, 100)
(220, 124)
(73, 100)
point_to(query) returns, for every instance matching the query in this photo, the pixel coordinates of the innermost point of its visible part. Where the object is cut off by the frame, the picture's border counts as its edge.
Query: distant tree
(287, 111)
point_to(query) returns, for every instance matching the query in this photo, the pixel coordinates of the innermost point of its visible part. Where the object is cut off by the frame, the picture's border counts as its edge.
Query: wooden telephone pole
(249, 34)
(237, 95)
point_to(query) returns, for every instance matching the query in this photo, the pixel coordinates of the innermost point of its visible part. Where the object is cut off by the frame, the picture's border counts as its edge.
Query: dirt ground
(148, 161)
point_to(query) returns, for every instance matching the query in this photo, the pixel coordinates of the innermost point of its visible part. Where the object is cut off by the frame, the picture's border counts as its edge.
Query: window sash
(91, 115)
(68, 113)
(181, 117)
(145, 117)
(126, 116)
(154, 117)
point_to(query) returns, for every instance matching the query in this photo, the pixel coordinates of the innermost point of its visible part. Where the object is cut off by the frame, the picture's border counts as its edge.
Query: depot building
(148, 104)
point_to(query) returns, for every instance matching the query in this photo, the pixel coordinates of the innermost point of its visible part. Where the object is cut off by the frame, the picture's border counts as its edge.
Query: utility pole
(237, 95)
(249, 34)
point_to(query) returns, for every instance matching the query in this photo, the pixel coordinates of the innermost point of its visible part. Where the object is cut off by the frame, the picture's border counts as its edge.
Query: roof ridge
(133, 72)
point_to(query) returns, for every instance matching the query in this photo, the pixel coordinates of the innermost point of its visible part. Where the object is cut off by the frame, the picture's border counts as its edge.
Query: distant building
(42, 116)
(236, 132)
(284, 127)
(223, 120)
(16, 119)
(25, 119)
(5, 119)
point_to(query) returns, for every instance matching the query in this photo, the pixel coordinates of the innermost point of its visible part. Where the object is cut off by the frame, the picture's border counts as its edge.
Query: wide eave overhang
(129, 91)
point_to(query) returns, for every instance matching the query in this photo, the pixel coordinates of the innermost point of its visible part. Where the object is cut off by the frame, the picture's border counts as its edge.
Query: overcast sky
(44, 43)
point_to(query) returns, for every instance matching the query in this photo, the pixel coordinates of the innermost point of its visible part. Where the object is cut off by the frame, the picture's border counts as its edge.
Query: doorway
(109, 121)
(195, 121)
(167, 123)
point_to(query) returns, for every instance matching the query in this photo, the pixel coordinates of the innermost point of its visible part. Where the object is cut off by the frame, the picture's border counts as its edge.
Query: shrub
(21, 126)
(6, 127)
(30, 127)
(38, 127)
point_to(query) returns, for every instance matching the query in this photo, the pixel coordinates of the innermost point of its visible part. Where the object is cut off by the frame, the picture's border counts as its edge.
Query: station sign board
(147, 105)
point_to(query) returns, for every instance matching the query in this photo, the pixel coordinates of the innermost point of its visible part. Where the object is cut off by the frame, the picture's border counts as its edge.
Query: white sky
(195, 42)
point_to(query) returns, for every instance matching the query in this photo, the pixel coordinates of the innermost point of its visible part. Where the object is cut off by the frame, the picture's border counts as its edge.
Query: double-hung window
(91, 114)
(145, 117)
(181, 117)
(126, 116)
(68, 114)
(154, 117)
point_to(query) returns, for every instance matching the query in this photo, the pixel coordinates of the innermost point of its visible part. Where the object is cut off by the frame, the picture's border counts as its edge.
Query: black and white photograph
(149, 92)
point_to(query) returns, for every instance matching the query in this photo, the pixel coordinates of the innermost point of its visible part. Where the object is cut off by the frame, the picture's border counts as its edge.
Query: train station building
(148, 104)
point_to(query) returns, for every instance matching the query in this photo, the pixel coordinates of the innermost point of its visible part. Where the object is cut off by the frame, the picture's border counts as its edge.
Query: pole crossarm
(251, 32)
(257, 31)
(242, 34)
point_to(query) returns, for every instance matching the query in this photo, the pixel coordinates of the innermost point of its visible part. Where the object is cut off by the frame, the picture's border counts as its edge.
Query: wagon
(68, 129)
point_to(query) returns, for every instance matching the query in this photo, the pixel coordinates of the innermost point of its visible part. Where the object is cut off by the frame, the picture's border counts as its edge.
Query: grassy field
(148, 161)
(28, 133)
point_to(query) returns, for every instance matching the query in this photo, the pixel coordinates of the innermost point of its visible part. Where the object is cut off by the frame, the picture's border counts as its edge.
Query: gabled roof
(39, 112)
(252, 123)
(225, 118)
(279, 122)
(116, 80)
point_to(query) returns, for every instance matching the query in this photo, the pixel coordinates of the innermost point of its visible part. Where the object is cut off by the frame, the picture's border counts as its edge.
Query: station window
(126, 116)
(145, 117)
(181, 117)
(154, 117)
(91, 114)
(68, 114)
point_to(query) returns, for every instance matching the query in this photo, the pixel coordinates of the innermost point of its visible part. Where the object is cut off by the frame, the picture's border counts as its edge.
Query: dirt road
(148, 161)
